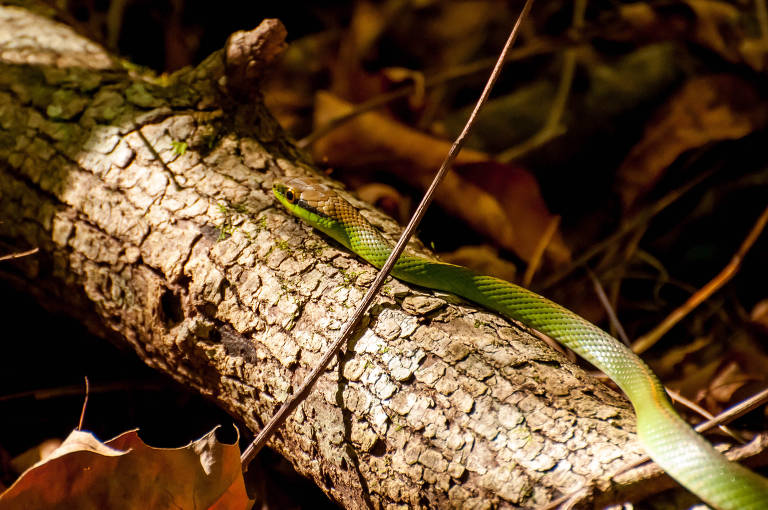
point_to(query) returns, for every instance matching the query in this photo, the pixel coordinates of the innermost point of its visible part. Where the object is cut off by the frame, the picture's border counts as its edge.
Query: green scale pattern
(667, 438)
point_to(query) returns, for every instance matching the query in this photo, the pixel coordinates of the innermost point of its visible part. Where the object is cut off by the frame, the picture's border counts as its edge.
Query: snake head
(305, 194)
(316, 204)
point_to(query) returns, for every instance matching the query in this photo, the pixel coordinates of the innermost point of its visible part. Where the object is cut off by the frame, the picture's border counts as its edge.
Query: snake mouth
(303, 204)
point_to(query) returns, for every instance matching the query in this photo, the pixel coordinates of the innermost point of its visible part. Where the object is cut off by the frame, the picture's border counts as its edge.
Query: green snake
(668, 439)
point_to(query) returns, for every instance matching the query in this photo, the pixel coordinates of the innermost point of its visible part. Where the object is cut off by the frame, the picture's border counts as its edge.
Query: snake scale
(667, 438)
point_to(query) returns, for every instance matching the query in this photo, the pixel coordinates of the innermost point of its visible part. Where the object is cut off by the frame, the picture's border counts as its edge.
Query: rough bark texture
(190, 261)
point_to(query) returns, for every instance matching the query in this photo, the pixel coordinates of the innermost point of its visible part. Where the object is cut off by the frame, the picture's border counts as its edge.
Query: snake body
(668, 439)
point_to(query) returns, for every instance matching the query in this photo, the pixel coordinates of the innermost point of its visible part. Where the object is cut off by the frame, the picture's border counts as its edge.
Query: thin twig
(456, 72)
(726, 416)
(115, 15)
(619, 272)
(645, 342)
(552, 127)
(735, 411)
(690, 404)
(85, 404)
(293, 401)
(18, 255)
(612, 317)
(635, 221)
(65, 391)
(538, 252)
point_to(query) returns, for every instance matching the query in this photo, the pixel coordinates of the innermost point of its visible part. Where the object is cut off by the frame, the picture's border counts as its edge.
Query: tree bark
(183, 254)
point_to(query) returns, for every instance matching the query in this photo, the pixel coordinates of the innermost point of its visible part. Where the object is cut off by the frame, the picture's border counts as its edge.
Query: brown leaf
(25, 460)
(518, 192)
(125, 473)
(512, 215)
(706, 109)
(714, 374)
(386, 198)
(728, 380)
(714, 24)
(759, 315)
(374, 138)
(369, 21)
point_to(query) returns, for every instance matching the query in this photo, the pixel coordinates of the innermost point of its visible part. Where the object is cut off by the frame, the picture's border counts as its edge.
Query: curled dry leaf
(513, 215)
(706, 109)
(125, 473)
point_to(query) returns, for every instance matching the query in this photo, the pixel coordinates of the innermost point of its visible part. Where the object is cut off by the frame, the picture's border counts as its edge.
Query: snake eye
(290, 196)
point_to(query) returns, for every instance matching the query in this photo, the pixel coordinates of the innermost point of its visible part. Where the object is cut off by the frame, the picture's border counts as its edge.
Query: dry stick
(629, 252)
(552, 127)
(735, 411)
(538, 252)
(616, 324)
(726, 416)
(18, 255)
(63, 391)
(115, 21)
(690, 404)
(438, 79)
(643, 343)
(609, 309)
(85, 404)
(638, 219)
(291, 404)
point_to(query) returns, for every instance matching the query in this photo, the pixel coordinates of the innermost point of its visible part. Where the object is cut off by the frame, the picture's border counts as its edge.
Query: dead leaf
(706, 109)
(713, 24)
(512, 218)
(754, 51)
(373, 137)
(612, 88)
(386, 198)
(759, 315)
(728, 380)
(716, 26)
(714, 372)
(26, 459)
(520, 195)
(125, 473)
(400, 75)
(348, 76)
(455, 30)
